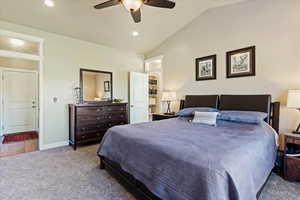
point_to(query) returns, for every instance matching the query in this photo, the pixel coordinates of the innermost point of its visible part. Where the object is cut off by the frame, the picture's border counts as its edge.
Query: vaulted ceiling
(111, 26)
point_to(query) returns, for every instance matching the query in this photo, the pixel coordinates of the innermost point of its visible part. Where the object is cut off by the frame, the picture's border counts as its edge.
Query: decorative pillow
(250, 117)
(208, 118)
(188, 112)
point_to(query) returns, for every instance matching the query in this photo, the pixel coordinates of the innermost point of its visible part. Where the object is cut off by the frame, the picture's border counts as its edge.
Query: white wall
(63, 58)
(272, 25)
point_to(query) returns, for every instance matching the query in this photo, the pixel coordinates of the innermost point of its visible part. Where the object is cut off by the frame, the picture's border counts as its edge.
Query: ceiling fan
(134, 6)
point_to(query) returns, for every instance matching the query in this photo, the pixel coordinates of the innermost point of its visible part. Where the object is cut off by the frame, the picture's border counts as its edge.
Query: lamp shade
(169, 96)
(293, 100)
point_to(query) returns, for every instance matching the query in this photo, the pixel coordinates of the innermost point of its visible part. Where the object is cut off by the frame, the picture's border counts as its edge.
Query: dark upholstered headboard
(261, 103)
(200, 101)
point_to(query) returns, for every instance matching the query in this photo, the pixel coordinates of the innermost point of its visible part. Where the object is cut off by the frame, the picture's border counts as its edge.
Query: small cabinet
(292, 158)
(89, 122)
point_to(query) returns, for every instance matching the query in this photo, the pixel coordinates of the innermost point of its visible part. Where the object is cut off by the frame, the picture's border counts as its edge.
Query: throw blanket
(180, 160)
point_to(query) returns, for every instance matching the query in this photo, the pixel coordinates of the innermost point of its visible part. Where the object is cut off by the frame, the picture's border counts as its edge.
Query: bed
(176, 160)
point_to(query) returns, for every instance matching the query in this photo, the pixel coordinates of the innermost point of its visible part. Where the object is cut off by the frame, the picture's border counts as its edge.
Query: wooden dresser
(89, 122)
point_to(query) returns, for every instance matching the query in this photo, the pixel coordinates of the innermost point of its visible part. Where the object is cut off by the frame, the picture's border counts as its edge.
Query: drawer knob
(98, 134)
(83, 136)
(83, 128)
(98, 118)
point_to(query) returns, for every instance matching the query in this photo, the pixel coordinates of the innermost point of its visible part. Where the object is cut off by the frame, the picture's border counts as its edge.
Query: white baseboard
(54, 145)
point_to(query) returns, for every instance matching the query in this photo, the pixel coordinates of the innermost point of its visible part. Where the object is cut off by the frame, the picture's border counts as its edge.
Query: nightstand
(158, 117)
(291, 163)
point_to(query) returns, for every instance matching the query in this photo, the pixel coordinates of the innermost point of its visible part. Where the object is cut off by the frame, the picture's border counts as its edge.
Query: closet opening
(153, 67)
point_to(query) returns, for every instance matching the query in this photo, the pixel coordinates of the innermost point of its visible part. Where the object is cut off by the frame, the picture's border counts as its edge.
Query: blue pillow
(188, 112)
(250, 117)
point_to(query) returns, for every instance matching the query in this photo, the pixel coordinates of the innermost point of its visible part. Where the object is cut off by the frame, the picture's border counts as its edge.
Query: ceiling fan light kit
(49, 3)
(134, 6)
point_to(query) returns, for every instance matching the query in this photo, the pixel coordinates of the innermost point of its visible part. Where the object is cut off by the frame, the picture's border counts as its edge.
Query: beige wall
(272, 25)
(64, 57)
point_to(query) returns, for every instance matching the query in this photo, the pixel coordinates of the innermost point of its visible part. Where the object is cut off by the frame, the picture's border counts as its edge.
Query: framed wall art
(206, 68)
(241, 62)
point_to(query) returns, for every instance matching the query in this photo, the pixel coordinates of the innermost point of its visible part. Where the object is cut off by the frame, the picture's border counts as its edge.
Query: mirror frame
(96, 71)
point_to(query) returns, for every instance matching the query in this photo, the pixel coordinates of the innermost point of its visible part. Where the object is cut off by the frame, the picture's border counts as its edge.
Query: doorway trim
(40, 59)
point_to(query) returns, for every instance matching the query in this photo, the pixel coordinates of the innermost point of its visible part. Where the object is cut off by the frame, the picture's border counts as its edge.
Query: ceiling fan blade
(160, 3)
(107, 4)
(136, 15)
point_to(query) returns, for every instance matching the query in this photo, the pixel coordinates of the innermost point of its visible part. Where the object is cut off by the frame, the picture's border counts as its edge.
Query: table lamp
(293, 101)
(169, 97)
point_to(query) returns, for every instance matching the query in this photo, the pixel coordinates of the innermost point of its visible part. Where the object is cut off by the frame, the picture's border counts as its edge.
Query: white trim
(12, 54)
(54, 145)
(20, 36)
(41, 96)
(3, 68)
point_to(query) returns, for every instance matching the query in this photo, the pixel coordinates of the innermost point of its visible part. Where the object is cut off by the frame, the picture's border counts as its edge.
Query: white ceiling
(111, 26)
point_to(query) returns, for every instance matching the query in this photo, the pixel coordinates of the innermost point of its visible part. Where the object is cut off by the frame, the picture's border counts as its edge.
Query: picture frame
(241, 62)
(106, 86)
(206, 68)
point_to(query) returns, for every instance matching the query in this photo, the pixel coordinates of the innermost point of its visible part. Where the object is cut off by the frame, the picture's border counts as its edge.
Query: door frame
(4, 69)
(40, 59)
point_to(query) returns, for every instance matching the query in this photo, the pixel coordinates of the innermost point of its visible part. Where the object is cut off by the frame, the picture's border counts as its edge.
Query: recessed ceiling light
(17, 42)
(135, 33)
(49, 3)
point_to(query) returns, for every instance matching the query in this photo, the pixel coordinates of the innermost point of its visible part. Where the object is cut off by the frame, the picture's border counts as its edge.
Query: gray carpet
(63, 174)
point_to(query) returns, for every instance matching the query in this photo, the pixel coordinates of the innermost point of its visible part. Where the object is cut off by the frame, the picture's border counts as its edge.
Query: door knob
(33, 106)
(131, 106)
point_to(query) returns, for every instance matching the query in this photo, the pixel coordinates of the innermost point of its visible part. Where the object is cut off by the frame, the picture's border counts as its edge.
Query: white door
(139, 97)
(19, 101)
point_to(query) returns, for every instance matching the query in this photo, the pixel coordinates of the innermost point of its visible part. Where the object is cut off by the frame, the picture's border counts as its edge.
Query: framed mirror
(96, 86)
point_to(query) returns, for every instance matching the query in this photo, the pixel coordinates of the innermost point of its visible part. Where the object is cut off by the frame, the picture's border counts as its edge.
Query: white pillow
(208, 118)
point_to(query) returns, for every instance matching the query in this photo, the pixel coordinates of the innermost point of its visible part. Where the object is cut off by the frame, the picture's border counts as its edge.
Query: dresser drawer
(115, 116)
(116, 123)
(92, 127)
(88, 111)
(116, 108)
(85, 118)
(293, 140)
(90, 135)
(292, 168)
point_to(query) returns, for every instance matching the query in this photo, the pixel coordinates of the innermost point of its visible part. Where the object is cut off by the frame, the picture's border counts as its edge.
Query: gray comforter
(180, 160)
